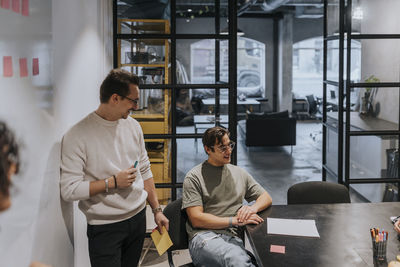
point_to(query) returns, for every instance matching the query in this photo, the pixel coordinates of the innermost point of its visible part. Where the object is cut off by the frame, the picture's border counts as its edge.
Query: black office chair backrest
(177, 228)
(177, 224)
(312, 104)
(318, 193)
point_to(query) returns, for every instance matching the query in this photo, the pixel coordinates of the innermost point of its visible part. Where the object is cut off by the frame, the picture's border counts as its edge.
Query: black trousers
(117, 244)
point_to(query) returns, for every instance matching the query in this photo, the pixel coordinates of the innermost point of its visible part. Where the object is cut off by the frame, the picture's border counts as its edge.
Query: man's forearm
(263, 202)
(151, 193)
(97, 187)
(209, 221)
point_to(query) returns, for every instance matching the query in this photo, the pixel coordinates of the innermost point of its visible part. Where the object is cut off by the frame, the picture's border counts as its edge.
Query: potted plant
(366, 100)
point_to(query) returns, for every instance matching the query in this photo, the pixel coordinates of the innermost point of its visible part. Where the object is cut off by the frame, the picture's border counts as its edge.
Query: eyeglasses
(134, 101)
(223, 148)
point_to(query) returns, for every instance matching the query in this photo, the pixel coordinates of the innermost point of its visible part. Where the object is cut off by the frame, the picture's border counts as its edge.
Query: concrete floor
(275, 168)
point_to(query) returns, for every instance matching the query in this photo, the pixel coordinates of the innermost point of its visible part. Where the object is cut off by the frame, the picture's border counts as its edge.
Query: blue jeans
(211, 249)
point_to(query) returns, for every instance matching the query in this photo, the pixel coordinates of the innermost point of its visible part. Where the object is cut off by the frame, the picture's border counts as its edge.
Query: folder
(161, 241)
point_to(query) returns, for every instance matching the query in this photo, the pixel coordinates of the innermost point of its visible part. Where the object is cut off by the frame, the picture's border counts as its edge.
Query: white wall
(21, 101)
(382, 57)
(73, 40)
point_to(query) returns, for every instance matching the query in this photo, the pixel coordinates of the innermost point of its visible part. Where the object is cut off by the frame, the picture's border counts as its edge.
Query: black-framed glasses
(134, 101)
(223, 148)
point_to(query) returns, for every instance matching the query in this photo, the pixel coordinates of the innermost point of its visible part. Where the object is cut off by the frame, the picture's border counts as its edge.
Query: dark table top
(344, 231)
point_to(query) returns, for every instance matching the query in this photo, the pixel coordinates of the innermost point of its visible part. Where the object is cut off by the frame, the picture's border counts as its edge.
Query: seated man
(213, 194)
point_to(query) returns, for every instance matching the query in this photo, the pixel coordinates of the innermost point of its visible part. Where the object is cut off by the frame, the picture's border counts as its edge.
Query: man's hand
(253, 219)
(397, 226)
(245, 212)
(125, 178)
(161, 221)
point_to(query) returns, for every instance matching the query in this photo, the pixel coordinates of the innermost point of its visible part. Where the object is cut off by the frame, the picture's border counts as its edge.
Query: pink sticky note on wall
(25, 8)
(5, 4)
(23, 67)
(35, 66)
(277, 249)
(7, 66)
(15, 6)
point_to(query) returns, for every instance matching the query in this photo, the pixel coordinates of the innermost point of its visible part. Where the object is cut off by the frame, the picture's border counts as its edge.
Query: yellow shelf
(155, 140)
(146, 115)
(156, 160)
(151, 122)
(155, 154)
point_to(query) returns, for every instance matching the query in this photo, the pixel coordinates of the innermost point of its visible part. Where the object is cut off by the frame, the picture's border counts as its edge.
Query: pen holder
(379, 244)
(379, 249)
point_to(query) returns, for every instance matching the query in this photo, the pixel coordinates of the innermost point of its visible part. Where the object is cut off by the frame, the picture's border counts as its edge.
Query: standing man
(104, 165)
(213, 194)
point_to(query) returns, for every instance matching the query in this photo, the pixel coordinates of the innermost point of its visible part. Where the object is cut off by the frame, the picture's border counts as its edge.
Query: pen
(134, 166)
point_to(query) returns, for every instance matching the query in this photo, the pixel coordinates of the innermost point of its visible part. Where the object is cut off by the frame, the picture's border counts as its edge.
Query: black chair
(317, 193)
(314, 107)
(177, 228)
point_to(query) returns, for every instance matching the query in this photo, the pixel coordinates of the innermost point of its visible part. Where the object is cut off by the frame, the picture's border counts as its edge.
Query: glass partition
(375, 17)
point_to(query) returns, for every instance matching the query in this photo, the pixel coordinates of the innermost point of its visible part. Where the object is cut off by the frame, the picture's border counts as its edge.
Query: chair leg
(146, 250)
(170, 261)
(291, 150)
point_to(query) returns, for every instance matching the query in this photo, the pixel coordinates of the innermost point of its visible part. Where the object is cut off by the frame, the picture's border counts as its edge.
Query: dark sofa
(269, 129)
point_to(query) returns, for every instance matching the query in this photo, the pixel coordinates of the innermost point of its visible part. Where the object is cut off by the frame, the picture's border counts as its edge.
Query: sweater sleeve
(144, 162)
(72, 184)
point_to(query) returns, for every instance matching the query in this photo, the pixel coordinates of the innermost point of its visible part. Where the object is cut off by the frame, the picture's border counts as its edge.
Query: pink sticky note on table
(25, 8)
(5, 4)
(277, 249)
(35, 66)
(15, 6)
(7, 66)
(23, 67)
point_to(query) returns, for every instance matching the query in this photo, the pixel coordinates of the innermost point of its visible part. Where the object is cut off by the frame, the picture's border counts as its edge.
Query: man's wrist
(157, 209)
(230, 222)
(115, 181)
(235, 221)
(106, 184)
(254, 208)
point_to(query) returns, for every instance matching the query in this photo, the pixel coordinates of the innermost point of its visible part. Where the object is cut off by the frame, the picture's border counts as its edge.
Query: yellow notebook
(162, 241)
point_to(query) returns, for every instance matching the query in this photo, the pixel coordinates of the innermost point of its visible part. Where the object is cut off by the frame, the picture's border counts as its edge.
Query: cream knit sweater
(95, 149)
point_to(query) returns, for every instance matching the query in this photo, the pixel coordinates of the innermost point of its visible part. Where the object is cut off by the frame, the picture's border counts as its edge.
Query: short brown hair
(214, 134)
(117, 82)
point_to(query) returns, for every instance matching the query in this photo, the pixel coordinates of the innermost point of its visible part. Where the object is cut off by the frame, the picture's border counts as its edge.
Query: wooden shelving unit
(152, 122)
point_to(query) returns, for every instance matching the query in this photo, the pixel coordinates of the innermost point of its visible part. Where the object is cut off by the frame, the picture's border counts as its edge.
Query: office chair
(314, 106)
(317, 193)
(177, 229)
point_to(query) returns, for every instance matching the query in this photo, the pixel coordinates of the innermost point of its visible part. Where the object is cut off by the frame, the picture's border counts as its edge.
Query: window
(308, 65)
(250, 70)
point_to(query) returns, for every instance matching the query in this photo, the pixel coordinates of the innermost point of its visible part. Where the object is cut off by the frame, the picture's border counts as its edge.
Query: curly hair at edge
(8, 156)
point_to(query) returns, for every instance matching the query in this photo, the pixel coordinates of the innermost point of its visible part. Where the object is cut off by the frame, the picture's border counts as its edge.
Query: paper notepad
(292, 227)
(161, 241)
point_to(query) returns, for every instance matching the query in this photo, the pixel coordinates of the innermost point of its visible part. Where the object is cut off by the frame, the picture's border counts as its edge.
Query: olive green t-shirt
(219, 190)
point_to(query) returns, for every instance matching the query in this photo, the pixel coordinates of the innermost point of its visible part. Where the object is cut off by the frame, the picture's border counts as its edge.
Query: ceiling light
(225, 31)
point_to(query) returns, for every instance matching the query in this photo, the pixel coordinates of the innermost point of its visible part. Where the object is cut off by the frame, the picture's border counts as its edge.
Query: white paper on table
(292, 227)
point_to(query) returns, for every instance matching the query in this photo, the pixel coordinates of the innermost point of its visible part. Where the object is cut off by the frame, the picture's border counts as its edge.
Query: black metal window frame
(231, 85)
(345, 85)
